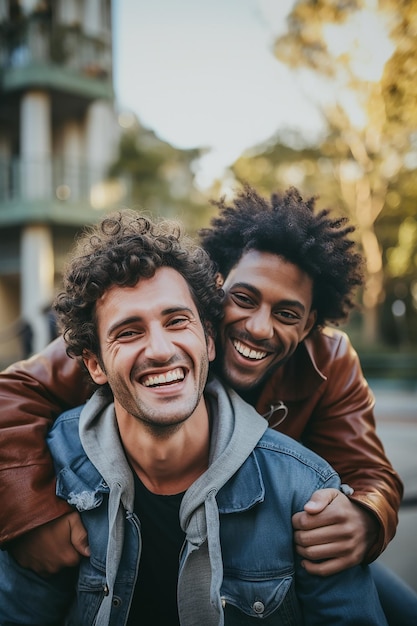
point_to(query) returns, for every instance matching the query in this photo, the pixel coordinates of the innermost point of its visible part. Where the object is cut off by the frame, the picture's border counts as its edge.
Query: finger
(49, 564)
(320, 536)
(317, 512)
(78, 535)
(303, 521)
(319, 552)
(320, 500)
(329, 567)
(55, 561)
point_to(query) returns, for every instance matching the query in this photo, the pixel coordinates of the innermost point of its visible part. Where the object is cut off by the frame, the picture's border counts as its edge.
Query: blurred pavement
(396, 418)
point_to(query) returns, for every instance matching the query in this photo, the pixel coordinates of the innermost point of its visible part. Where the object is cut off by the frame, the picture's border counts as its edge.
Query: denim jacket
(238, 536)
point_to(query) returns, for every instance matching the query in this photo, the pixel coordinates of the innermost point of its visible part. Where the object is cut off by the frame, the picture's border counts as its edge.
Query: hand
(53, 546)
(333, 533)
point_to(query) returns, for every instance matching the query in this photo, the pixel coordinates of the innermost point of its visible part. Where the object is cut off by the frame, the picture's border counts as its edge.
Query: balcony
(56, 191)
(55, 56)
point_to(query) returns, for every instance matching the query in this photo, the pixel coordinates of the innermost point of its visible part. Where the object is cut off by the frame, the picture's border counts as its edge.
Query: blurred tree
(160, 177)
(366, 161)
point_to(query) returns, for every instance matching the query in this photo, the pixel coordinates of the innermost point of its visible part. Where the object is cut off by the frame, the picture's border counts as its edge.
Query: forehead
(269, 273)
(150, 297)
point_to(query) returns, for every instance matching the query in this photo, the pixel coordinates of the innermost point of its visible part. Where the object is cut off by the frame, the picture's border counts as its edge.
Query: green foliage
(160, 177)
(399, 84)
(303, 45)
(365, 172)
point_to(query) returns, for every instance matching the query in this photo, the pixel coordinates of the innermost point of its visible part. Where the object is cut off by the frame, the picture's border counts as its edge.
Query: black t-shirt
(155, 597)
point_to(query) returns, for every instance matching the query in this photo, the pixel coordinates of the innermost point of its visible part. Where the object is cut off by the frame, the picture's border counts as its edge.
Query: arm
(337, 598)
(32, 394)
(331, 411)
(349, 597)
(342, 429)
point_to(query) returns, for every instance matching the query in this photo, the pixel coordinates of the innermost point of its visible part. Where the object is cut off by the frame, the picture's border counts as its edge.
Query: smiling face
(267, 313)
(154, 352)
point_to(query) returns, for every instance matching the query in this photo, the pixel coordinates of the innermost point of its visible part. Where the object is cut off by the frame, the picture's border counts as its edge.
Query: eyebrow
(138, 318)
(257, 293)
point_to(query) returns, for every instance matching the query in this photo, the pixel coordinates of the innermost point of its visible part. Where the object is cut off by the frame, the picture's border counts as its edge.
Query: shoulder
(64, 440)
(75, 472)
(67, 423)
(329, 345)
(328, 340)
(289, 454)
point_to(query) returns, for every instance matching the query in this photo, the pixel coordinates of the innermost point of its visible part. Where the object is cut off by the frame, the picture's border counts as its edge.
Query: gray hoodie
(236, 429)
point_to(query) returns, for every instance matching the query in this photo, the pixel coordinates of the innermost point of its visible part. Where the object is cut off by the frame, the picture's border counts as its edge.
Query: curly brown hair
(120, 250)
(288, 226)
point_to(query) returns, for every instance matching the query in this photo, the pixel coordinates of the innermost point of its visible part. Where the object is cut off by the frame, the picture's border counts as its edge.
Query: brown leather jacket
(330, 409)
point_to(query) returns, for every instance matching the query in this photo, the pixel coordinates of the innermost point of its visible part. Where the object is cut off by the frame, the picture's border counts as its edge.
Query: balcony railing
(40, 42)
(61, 181)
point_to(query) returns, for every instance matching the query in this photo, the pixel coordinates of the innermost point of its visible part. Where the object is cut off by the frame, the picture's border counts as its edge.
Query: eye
(287, 316)
(242, 299)
(127, 334)
(178, 322)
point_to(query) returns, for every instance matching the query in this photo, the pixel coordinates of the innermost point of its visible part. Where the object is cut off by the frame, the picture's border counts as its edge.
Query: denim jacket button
(106, 590)
(258, 607)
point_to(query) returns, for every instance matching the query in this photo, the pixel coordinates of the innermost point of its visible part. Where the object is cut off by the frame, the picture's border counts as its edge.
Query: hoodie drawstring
(199, 583)
(215, 553)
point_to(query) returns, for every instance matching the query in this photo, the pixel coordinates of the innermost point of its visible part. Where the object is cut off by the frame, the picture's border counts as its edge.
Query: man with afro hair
(289, 275)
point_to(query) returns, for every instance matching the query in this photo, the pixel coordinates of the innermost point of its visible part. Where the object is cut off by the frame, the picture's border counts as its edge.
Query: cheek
(120, 359)
(289, 336)
(231, 313)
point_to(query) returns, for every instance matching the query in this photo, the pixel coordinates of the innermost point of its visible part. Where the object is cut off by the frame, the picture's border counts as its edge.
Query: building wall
(58, 136)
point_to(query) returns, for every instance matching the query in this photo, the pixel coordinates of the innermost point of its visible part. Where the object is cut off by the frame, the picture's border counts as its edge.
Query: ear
(211, 350)
(311, 320)
(210, 334)
(96, 372)
(219, 278)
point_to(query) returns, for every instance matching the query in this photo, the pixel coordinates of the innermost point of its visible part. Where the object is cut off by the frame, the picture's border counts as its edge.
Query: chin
(238, 383)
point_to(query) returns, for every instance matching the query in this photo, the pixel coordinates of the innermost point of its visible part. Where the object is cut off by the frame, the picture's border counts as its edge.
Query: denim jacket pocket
(270, 598)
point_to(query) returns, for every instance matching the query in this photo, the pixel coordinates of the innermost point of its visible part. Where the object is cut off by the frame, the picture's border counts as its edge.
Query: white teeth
(248, 352)
(162, 379)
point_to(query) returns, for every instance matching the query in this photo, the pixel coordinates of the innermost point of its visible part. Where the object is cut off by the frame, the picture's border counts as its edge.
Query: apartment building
(58, 135)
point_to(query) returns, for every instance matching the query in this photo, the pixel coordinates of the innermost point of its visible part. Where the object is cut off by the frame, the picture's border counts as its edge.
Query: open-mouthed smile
(156, 380)
(247, 352)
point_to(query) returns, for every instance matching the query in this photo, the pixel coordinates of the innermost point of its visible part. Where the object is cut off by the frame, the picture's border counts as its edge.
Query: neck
(169, 463)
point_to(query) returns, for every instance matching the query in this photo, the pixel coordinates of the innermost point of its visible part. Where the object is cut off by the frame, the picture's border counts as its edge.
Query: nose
(260, 324)
(159, 346)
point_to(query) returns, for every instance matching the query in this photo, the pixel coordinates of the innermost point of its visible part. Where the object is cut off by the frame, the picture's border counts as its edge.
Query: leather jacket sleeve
(331, 410)
(32, 394)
